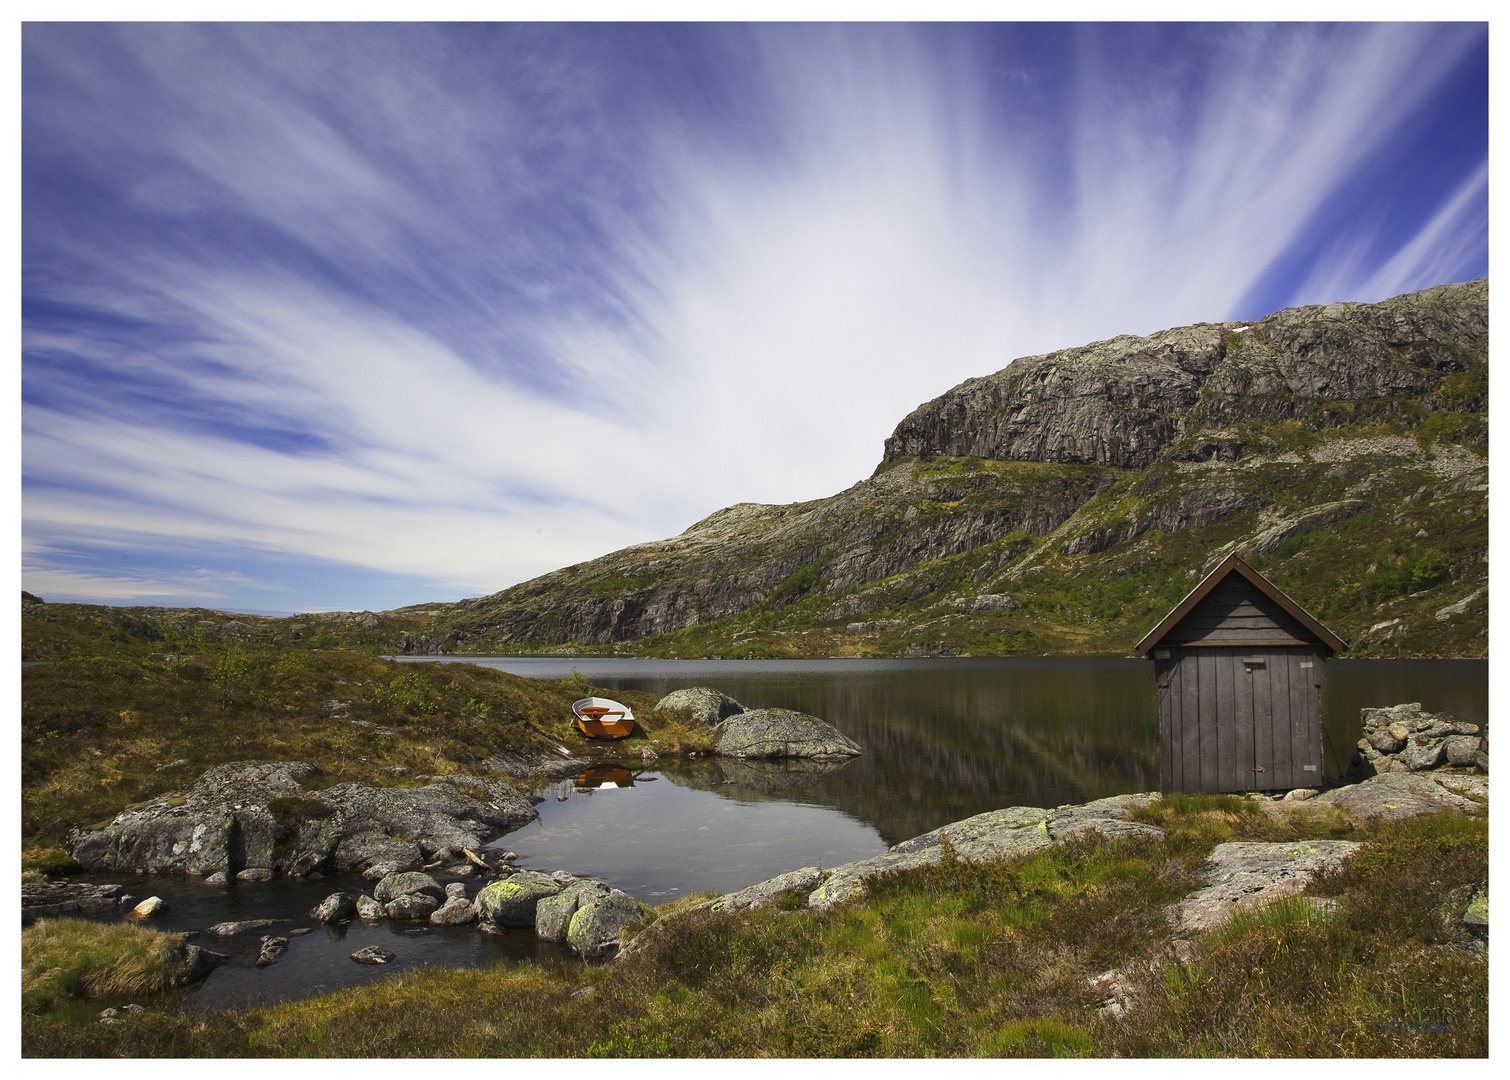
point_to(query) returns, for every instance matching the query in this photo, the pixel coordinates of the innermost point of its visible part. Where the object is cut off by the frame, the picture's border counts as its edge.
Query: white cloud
(753, 334)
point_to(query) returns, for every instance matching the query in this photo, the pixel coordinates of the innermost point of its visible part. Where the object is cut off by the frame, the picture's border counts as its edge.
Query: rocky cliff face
(1126, 401)
(1070, 498)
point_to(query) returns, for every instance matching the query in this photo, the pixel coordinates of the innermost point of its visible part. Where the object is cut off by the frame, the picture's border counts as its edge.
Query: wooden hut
(1240, 667)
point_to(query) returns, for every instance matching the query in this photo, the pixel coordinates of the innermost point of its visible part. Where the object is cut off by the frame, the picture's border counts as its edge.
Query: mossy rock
(512, 901)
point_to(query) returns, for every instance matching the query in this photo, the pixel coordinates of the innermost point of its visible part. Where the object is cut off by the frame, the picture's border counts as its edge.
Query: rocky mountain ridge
(1066, 502)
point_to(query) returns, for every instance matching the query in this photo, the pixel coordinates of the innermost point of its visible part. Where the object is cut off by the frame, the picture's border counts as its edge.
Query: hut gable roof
(1236, 605)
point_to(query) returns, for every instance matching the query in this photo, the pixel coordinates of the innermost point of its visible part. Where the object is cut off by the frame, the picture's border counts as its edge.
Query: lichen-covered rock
(1423, 752)
(369, 908)
(511, 901)
(553, 914)
(998, 834)
(405, 883)
(1242, 873)
(335, 907)
(456, 911)
(412, 906)
(1396, 795)
(780, 733)
(596, 925)
(701, 704)
(765, 893)
(252, 818)
(373, 954)
(1462, 750)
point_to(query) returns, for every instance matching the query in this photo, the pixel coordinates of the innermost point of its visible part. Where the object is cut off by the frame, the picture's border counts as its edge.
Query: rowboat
(603, 718)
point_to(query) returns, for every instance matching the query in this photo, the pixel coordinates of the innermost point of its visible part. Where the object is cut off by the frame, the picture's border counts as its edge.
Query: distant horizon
(345, 317)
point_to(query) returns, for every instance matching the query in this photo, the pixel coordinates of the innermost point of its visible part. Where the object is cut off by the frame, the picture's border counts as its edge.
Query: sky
(346, 316)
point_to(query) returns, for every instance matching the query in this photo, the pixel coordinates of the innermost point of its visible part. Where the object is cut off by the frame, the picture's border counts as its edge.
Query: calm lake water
(943, 739)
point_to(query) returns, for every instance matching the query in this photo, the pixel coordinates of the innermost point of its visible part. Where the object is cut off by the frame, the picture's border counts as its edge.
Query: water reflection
(948, 738)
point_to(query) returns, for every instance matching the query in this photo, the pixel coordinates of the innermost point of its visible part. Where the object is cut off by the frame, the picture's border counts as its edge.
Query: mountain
(1068, 501)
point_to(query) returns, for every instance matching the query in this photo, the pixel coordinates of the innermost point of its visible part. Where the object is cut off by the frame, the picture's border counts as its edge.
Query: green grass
(70, 959)
(102, 733)
(953, 960)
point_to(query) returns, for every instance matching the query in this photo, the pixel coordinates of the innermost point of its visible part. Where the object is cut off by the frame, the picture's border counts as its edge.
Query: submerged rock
(373, 954)
(780, 733)
(701, 704)
(272, 950)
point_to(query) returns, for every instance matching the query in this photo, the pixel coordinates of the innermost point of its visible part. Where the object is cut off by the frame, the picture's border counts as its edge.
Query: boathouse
(1240, 668)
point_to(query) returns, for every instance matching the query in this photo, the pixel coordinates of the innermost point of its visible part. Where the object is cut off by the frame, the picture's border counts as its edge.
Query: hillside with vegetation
(1061, 505)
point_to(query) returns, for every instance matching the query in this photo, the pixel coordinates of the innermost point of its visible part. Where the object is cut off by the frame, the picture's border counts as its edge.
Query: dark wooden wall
(1237, 613)
(1240, 719)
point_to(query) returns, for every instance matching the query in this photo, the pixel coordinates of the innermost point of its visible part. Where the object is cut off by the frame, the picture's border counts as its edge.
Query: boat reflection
(604, 776)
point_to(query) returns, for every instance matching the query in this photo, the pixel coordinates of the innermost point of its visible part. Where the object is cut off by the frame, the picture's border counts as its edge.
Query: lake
(943, 739)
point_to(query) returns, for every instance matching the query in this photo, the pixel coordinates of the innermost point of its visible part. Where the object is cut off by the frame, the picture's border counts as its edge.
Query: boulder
(153, 905)
(372, 954)
(1243, 873)
(368, 908)
(407, 883)
(1423, 752)
(456, 888)
(412, 906)
(456, 911)
(553, 914)
(595, 927)
(511, 901)
(249, 819)
(780, 733)
(335, 907)
(700, 704)
(1462, 750)
(1396, 795)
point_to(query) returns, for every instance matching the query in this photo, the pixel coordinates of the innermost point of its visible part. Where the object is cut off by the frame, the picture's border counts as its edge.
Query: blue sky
(350, 316)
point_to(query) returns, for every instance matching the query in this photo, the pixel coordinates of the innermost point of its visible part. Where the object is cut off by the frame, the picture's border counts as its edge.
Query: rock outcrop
(51, 900)
(1245, 874)
(256, 816)
(1398, 795)
(997, 834)
(1122, 402)
(781, 733)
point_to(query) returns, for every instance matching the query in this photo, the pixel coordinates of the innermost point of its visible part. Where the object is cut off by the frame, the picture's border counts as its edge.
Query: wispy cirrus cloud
(455, 306)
